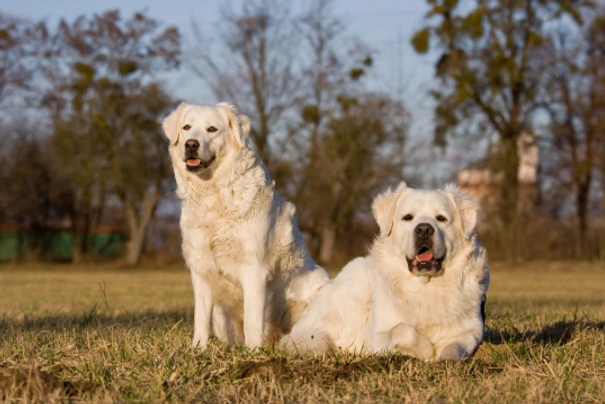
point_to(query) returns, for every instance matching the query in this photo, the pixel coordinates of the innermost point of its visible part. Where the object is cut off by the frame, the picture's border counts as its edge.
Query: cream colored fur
(378, 304)
(251, 272)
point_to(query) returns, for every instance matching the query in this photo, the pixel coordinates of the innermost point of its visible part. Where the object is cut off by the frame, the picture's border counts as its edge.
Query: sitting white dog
(419, 292)
(251, 272)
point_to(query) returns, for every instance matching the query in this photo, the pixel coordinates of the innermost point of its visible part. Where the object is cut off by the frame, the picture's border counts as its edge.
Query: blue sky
(386, 25)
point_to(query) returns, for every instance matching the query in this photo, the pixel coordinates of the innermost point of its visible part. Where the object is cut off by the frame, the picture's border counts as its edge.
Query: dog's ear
(466, 207)
(171, 123)
(239, 125)
(384, 208)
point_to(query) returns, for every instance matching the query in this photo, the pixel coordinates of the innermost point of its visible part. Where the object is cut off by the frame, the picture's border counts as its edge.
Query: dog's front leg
(202, 294)
(390, 333)
(254, 285)
(459, 348)
(407, 340)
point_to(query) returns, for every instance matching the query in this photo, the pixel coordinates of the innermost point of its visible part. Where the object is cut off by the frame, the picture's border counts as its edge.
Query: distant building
(481, 179)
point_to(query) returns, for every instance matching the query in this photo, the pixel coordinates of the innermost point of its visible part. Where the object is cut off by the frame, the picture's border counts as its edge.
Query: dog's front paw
(200, 340)
(254, 340)
(199, 343)
(406, 340)
(453, 351)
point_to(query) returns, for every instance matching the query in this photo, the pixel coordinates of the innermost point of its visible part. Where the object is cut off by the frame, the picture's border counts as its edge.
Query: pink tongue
(193, 162)
(425, 256)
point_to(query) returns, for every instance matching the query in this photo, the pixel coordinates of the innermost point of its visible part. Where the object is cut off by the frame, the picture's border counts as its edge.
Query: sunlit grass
(106, 334)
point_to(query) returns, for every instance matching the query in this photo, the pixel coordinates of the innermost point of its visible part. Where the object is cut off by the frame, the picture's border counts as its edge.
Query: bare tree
(326, 75)
(575, 84)
(361, 150)
(76, 159)
(252, 61)
(21, 44)
(105, 105)
(332, 73)
(25, 190)
(24, 195)
(596, 53)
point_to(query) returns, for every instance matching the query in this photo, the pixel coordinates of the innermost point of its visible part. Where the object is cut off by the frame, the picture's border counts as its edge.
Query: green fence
(52, 245)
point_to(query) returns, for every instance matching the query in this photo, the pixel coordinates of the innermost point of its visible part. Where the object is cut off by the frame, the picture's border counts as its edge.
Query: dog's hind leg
(219, 323)
(227, 326)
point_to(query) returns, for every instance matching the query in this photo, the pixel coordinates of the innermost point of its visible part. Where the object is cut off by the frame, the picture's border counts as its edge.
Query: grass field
(106, 334)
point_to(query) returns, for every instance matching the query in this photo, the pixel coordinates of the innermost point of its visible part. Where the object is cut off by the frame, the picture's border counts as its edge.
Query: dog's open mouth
(425, 263)
(195, 164)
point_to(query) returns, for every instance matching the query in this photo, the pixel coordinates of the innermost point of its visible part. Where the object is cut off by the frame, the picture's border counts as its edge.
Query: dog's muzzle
(193, 160)
(424, 263)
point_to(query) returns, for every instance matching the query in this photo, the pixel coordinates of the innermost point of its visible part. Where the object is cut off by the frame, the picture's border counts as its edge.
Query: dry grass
(104, 334)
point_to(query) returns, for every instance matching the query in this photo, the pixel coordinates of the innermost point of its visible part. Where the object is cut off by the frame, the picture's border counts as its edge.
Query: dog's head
(426, 227)
(202, 135)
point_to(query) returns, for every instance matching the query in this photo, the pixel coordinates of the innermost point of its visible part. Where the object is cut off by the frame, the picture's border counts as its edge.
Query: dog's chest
(429, 306)
(213, 228)
(200, 213)
(209, 238)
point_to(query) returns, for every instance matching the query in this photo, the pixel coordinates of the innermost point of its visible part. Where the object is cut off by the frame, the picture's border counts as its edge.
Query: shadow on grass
(351, 367)
(36, 386)
(559, 332)
(20, 382)
(95, 320)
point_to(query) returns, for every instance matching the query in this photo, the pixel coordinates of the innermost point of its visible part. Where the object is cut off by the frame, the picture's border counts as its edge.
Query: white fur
(378, 304)
(251, 272)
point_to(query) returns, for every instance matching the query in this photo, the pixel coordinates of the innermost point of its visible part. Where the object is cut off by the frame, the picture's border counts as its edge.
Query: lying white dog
(420, 290)
(251, 272)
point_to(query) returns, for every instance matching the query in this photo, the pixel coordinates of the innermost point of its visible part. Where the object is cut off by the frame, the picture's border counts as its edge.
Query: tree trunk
(134, 247)
(138, 220)
(79, 231)
(328, 239)
(85, 217)
(582, 197)
(77, 254)
(509, 197)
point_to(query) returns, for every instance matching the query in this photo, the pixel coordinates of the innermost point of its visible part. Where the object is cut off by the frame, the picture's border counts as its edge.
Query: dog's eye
(211, 129)
(407, 217)
(186, 127)
(441, 218)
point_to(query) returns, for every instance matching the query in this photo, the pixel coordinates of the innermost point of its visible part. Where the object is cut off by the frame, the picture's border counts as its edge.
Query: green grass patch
(107, 334)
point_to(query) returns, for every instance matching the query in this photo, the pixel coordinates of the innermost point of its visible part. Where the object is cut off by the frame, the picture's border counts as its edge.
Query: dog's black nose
(192, 145)
(424, 230)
